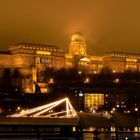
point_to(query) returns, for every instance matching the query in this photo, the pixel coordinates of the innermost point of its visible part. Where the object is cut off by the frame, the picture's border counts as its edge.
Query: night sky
(108, 25)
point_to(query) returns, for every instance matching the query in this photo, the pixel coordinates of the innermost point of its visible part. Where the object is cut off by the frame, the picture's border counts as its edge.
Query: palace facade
(29, 58)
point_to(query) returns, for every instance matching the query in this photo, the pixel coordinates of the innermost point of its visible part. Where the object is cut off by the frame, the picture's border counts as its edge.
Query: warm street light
(114, 109)
(86, 80)
(111, 111)
(79, 72)
(18, 108)
(95, 72)
(114, 71)
(117, 105)
(136, 109)
(116, 80)
(51, 81)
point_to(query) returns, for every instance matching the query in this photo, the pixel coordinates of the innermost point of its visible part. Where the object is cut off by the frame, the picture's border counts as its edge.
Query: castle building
(121, 61)
(78, 57)
(77, 45)
(31, 58)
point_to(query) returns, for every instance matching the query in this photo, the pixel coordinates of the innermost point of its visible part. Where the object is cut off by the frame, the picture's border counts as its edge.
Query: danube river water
(43, 133)
(104, 134)
(107, 136)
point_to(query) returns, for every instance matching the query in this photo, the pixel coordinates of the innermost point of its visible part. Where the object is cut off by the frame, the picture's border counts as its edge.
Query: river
(105, 134)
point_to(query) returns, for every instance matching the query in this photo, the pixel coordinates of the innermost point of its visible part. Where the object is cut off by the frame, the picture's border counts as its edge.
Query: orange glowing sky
(108, 25)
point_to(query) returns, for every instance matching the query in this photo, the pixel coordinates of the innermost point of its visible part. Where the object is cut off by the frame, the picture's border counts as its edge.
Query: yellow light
(69, 56)
(22, 111)
(28, 90)
(79, 72)
(95, 72)
(73, 129)
(114, 71)
(44, 90)
(113, 129)
(69, 111)
(18, 108)
(131, 60)
(51, 81)
(136, 109)
(128, 111)
(116, 80)
(43, 52)
(111, 111)
(85, 59)
(114, 109)
(86, 80)
(135, 129)
(94, 101)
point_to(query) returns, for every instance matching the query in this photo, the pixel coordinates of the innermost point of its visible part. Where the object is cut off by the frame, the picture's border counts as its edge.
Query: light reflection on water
(112, 136)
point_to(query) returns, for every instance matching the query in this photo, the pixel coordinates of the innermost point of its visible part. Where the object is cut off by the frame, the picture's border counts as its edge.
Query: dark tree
(68, 77)
(45, 75)
(6, 79)
(106, 70)
(37, 88)
(16, 79)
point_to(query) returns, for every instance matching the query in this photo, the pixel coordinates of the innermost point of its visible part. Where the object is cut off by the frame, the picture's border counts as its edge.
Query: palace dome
(77, 37)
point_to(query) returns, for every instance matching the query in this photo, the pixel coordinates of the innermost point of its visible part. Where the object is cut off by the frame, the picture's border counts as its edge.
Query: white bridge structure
(58, 109)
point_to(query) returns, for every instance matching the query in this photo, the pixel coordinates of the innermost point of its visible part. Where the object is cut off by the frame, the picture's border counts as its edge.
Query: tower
(77, 45)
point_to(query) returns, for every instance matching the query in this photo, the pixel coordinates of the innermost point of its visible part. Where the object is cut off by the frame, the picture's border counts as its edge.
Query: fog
(108, 25)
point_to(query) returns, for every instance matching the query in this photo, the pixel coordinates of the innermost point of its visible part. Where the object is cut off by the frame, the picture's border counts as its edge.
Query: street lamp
(86, 80)
(51, 81)
(136, 109)
(95, 72)
(113, 109)
(114, 71)
(117, 80)
(18, 108)
(79, 72)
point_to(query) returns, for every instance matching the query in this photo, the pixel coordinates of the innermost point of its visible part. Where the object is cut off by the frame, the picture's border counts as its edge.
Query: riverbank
(87, 120)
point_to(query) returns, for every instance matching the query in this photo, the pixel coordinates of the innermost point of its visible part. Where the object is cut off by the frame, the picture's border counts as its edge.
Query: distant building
(115, 61)
(121, 61)
(93, 101)
(31, 58)
(78, 57)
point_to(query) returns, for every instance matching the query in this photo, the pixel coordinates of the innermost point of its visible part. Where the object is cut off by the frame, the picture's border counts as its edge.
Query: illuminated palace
(29, 58)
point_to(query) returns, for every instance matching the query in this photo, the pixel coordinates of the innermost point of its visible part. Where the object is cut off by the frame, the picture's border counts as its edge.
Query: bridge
(60, 113)
(51, 121)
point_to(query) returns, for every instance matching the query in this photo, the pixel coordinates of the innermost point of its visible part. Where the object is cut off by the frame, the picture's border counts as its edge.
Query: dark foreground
(65, 129)
(43, 132)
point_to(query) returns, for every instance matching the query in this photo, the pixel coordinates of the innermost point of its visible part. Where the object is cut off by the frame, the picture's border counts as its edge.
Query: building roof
(77, 37)
(125, 53)
(35, 45)
(32, 46)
